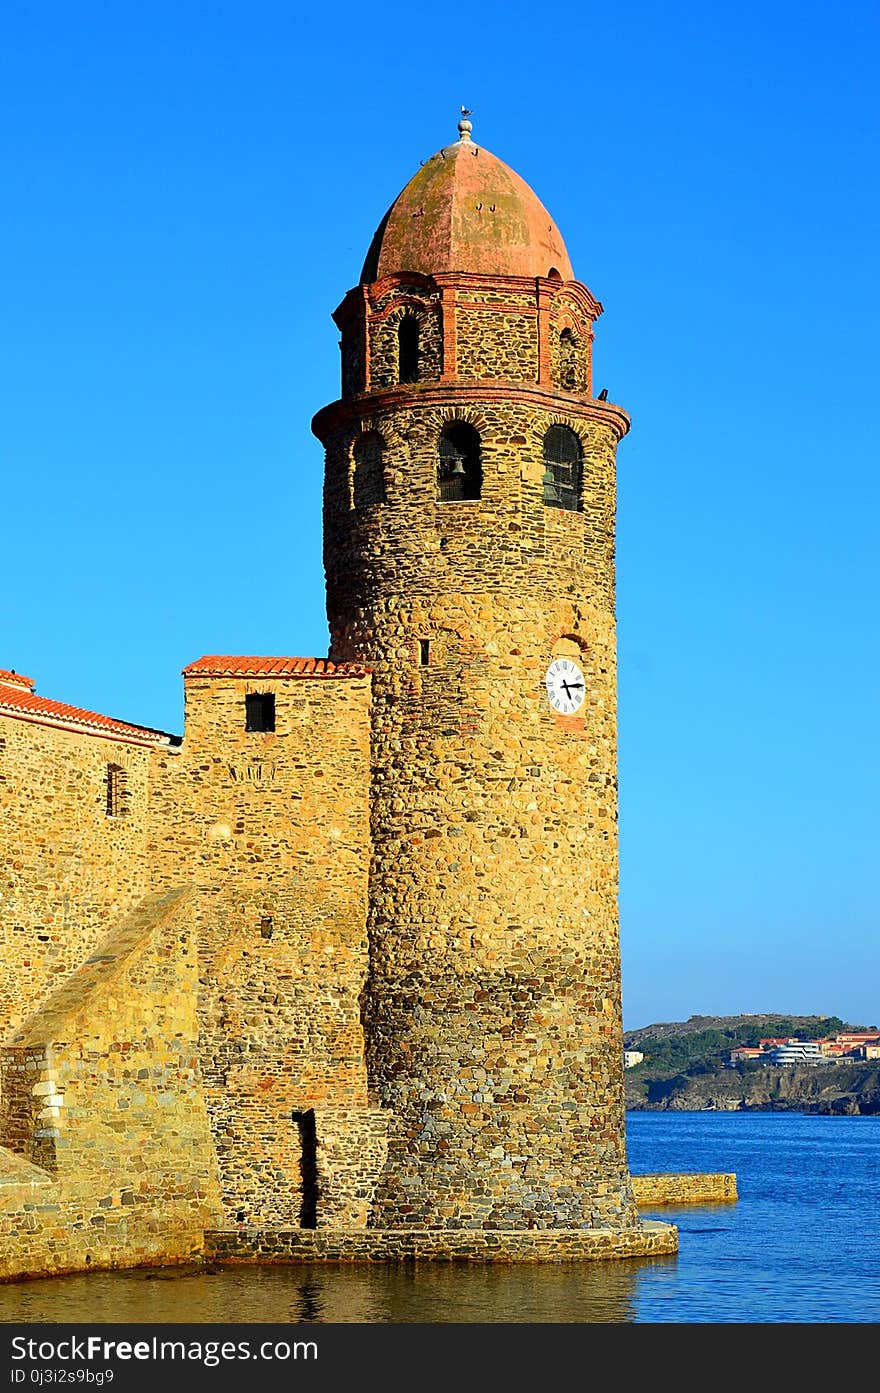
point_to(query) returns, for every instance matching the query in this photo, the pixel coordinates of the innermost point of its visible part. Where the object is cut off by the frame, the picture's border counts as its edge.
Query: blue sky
(189, 190)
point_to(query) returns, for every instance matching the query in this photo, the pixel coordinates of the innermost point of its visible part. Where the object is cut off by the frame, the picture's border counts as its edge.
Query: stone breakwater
(646, 1239)
(649, 1190)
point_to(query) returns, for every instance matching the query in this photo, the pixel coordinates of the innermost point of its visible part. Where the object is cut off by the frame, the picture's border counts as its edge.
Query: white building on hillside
(797, 1052)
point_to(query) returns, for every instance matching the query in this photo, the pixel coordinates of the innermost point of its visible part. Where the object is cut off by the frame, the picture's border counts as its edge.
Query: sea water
(802, 1243)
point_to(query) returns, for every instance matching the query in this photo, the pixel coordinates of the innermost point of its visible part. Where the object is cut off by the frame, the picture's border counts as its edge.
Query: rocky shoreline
(836, 1090)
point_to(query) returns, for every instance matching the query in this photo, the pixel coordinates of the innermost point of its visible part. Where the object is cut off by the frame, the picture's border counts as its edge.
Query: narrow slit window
(308, 1167)
(408, 349)
(424, 652)
(562, 469)
(116, 791)
(460, 469)
(259, 710)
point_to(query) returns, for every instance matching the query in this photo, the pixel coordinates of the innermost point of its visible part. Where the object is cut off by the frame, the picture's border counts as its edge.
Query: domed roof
(465, 210)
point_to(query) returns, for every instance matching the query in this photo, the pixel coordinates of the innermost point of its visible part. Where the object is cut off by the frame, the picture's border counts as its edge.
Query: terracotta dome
(465, 210)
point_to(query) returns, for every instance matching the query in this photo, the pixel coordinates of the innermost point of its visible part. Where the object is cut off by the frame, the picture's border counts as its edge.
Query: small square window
(259, 711)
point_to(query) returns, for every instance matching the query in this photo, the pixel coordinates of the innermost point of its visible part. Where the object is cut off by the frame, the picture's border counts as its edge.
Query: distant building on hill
(631, 1058)
(852, 1044)
(792, 1050)
(796, 1052)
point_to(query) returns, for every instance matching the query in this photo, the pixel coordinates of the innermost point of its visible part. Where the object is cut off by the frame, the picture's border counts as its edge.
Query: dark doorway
(308, 1168)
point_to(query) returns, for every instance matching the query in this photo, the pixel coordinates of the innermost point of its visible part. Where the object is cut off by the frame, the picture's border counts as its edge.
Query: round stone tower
(469, 553)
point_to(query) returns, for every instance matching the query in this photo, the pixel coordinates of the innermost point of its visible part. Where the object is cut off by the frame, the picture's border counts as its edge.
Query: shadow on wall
(308, 1214)
(103, 1111)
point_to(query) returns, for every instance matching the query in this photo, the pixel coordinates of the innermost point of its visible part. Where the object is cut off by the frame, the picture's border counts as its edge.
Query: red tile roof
(15, 679)
(19, 702)
(230, 666)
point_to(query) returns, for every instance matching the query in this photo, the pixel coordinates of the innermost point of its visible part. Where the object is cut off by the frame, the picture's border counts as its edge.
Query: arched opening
(553, 274)
(408, 349)
(459, 471)
(568, 361)
(562, 469)
(368, 484)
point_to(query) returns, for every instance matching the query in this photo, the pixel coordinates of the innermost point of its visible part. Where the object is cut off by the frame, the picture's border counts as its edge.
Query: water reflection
(304, 1293)
(801, 1244)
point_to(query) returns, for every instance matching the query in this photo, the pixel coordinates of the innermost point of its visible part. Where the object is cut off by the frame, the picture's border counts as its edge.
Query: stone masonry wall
(414, 545)
(274, 827)
(496, 335)
(470, 329)
(67, 870)
(571, 366)
(383, 330)
(653, 1191)
(492, 1010)
(646, 1238)
(116, 1166)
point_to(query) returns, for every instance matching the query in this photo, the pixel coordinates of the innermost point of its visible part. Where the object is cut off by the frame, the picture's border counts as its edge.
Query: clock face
(566, 688)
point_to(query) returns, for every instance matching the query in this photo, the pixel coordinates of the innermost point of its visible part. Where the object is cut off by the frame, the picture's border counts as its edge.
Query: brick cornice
(400, 303)
(432, 394)
(541, 287)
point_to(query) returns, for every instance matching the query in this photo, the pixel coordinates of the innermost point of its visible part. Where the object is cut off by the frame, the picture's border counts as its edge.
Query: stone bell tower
(469, 552)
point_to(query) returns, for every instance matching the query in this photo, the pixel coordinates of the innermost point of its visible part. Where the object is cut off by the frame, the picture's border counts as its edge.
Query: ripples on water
(801, 1244)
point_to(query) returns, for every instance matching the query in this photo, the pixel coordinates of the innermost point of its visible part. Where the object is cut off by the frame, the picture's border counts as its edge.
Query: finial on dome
(464, 125)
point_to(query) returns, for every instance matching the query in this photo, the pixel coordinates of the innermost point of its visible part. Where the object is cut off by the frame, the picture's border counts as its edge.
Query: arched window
(116, 789)
(459, 472)
(368, 485)
(562, 469)
(568, 361)
(408, 349)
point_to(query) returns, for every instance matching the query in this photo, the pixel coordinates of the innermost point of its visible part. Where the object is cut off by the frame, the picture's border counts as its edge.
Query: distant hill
(686, 1068)
(806, 1027)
